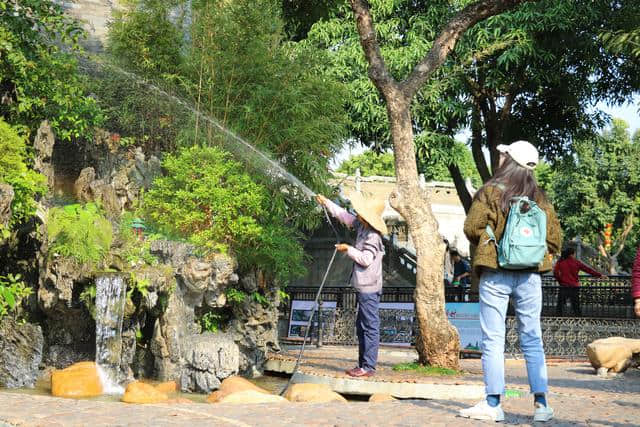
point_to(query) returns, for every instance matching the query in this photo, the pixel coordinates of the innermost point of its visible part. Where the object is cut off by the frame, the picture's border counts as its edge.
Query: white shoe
(482, 411)
(542, 413)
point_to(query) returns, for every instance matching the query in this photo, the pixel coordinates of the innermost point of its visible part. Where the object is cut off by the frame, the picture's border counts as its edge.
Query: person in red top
(635, 283)
(566, 273)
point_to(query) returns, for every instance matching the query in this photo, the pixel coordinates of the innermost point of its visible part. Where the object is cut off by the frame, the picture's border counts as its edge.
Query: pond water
(272, 383)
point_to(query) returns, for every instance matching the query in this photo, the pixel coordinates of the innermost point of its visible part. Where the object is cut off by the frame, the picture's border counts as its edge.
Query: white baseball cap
(523, 152)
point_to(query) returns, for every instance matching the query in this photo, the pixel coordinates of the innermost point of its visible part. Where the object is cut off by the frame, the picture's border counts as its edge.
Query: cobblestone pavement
(577, 395)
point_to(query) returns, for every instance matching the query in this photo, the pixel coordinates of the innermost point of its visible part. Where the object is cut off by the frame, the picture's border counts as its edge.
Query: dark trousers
(368, 329)
(573, 295)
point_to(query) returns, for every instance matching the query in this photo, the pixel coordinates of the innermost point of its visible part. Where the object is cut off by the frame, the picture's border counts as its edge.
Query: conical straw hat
(371, 210)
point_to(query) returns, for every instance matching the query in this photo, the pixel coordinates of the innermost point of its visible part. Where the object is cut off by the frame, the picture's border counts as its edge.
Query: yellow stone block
(78, 380)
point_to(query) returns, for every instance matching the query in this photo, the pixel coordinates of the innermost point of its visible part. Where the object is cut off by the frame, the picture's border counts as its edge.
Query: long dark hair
(514, 181)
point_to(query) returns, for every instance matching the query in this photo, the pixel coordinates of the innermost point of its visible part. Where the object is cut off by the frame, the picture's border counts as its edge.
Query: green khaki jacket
(486, 210)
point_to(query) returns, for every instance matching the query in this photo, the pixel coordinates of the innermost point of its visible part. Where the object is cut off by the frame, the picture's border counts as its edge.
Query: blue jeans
(368, 330)
(526, 288)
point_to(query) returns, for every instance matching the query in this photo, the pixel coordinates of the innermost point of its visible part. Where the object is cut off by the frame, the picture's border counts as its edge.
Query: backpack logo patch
(526, 231)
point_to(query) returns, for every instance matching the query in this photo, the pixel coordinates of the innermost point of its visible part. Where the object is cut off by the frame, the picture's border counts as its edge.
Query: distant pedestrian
(484, 227)
(367, 254)
(566, 273)
(461, 269)
(635, 283)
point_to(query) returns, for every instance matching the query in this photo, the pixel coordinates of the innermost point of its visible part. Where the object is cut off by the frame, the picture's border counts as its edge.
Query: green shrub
(12, 291)
(80, 232)
(27, 184)
(206, 198)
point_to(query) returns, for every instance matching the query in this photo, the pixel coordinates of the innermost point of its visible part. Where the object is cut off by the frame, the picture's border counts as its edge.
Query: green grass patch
(425, 369)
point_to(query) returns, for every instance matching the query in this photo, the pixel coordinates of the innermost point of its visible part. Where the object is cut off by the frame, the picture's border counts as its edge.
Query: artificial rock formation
(43, 146)
(312, 393)
(6, 197)
(255, 326)
(20, 353)
(81, 379)
(613, 354)
(181, 352)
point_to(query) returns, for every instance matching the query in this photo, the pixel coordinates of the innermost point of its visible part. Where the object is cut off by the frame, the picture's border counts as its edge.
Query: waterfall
(110, 299)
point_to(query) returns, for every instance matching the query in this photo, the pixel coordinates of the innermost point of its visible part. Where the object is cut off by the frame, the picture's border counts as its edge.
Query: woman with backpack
(485, 226)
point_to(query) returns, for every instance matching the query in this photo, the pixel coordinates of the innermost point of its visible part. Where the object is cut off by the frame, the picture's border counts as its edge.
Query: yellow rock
(312, 393)
(251, 396)
(613, 353)
(233, 385)
(381, 397)
(78, 380)
(139, 392)
(167, 387)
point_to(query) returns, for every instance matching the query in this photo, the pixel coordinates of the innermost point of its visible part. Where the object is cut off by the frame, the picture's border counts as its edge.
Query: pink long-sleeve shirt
(367, 251)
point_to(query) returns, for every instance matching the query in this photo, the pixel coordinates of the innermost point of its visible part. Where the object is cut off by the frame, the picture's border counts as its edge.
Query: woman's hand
(342, 247)
(321, 199)
(637, 307)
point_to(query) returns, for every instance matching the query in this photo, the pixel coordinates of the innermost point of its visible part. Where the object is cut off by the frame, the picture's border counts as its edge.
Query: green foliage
(27, 184)
(370, 163)
(142, 37)
(235, 296)
(12, 291)
(38, 79)
(206, 198)
(88, 297)
(425, 369)
(134, 251)
(80, 232)
(138, 284)
(433, 165)
(260, 299)
(600, 184)
(214, 320)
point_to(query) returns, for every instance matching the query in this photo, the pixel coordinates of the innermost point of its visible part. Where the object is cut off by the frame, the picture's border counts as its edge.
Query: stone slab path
(577, 395)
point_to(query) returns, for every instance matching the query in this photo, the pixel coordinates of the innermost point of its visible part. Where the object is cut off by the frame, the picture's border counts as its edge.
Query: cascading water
(111, 290)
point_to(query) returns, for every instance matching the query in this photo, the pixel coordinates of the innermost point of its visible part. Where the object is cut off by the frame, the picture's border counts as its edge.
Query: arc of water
(274, 168)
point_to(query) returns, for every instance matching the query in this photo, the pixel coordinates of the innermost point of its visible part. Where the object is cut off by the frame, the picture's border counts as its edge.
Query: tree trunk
(438, 343)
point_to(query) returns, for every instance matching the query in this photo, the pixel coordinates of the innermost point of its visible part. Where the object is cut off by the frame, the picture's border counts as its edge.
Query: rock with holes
(613, 354)
(208, 359)
(20, 353)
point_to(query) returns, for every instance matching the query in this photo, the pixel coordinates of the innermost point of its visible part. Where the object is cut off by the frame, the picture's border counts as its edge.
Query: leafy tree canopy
(531, 73)
(600, 184)
(39, 79)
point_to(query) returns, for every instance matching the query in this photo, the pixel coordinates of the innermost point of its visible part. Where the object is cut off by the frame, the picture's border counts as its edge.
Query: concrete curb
(396, 389)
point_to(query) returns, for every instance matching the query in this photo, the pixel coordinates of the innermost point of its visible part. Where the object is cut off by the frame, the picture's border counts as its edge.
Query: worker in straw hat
(366, 277)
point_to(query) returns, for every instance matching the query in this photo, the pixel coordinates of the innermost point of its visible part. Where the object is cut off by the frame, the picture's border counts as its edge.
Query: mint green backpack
(524, 241)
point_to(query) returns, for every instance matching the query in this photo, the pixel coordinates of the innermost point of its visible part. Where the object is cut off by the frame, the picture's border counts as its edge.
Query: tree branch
(378, 72)
(463, 194)
(449, 36)
(476, 146)
(625, 233)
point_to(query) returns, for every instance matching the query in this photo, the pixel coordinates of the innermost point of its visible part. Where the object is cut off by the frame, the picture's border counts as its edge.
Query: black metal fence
(608, 298)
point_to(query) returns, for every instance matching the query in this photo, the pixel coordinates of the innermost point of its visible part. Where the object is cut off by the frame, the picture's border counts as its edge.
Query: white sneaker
(482, 411)
(542, 413)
